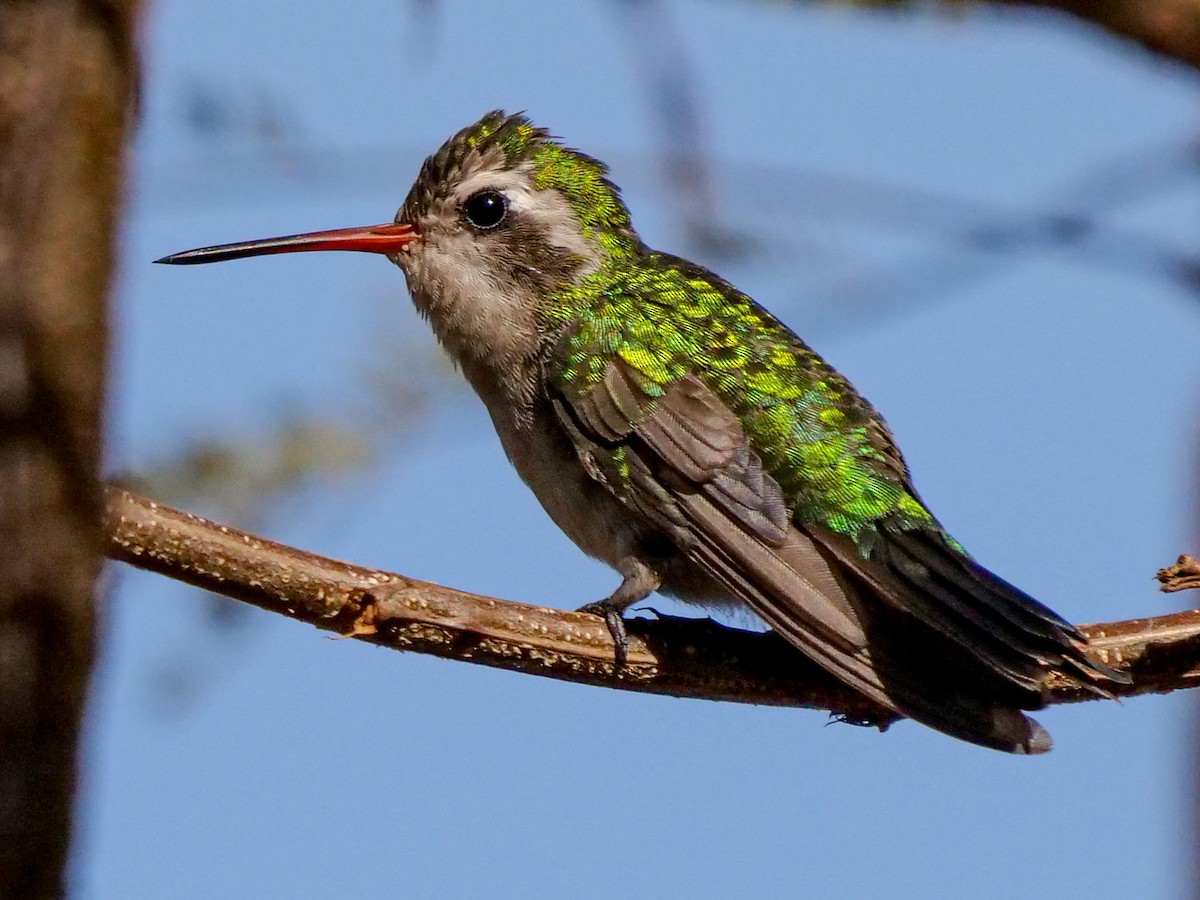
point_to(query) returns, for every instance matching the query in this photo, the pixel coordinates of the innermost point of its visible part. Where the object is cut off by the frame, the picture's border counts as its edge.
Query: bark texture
(674, 656)
(67, 82)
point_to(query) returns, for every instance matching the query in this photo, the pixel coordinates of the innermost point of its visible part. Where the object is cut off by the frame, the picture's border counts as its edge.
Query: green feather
(815, 435)
(828, 449)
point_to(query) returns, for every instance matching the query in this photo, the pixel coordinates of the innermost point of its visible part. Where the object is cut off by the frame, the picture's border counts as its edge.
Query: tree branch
(674, 656)
(1169, 28)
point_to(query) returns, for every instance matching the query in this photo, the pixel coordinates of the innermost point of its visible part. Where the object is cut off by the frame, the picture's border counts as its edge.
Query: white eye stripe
(547, 209)
(514, 186)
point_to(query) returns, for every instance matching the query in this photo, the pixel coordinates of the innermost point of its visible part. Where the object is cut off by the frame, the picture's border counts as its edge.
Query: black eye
(486, 209)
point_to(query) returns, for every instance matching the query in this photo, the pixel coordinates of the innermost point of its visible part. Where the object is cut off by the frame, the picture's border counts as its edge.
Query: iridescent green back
(827, 447)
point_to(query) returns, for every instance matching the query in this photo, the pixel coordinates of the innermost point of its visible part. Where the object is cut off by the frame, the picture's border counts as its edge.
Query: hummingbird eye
(486, 209)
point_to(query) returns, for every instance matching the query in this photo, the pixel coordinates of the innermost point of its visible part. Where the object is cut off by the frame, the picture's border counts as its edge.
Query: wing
(911, 627)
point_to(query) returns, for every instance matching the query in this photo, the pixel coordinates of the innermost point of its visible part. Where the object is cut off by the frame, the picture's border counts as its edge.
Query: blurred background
(988, 222)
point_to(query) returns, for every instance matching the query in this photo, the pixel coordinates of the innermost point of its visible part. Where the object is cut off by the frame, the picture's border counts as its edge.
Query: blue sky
(1044, 399)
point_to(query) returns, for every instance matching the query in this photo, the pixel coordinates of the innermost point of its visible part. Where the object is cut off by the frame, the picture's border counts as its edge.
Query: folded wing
(917, 627)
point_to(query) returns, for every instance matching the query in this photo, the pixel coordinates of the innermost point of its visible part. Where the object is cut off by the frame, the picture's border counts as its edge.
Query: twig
(1170, 28)
(1182, 576)
(679, 657)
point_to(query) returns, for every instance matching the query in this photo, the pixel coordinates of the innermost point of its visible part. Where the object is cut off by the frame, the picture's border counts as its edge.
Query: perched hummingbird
(676, 430)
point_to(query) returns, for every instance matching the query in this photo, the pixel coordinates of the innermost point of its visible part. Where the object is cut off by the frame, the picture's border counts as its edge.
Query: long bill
(387, 239)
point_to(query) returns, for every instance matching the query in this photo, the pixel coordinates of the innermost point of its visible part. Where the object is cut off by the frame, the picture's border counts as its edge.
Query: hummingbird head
(500, 219)
(502, 204)
(505, 216)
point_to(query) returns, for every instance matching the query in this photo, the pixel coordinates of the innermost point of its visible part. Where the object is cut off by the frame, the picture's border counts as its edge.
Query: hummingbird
(676, 430)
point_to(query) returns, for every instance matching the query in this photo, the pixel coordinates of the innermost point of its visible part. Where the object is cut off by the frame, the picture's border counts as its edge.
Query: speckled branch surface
(674, 656)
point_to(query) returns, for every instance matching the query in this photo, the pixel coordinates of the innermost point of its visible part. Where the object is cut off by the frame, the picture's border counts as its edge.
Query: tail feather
(996, 727)
(802, 592)
(1004, 630)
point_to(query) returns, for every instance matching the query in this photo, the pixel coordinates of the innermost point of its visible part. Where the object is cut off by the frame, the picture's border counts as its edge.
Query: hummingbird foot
(616, 627)
(883, 721)
(638, 583)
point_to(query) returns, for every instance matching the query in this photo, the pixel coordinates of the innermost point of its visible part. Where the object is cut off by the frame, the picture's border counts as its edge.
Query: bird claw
(616, 627)
(861, 720)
